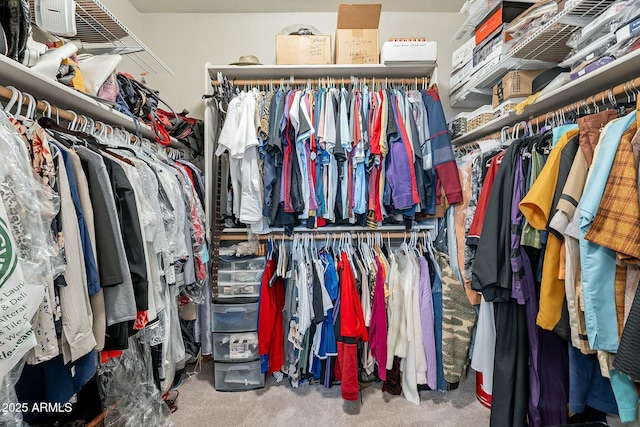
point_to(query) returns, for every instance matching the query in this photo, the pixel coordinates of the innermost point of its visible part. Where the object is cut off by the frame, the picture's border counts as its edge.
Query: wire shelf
(550, 45)
(544, 47)
(478, 10)
(100, 31)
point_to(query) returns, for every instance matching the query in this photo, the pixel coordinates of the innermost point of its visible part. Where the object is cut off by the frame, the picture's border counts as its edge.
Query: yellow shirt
(536, 207)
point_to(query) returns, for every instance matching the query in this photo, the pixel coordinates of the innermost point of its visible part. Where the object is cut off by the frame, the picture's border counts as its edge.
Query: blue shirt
(559, 131)
(93, 280)
(599, 263)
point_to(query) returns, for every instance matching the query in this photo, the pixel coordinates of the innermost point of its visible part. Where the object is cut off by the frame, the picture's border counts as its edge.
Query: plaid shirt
(617, 223)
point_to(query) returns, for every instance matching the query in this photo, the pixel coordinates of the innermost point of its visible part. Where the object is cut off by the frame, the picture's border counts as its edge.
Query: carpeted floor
(199, 405)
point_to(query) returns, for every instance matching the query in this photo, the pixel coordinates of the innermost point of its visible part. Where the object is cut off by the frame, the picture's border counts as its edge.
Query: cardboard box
(357, 34)
(506, 12)
(497, 95)
(515, 84)
(409, 52)
(303, 50)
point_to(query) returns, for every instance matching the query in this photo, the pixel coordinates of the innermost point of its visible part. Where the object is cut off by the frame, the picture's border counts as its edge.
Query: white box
(459, 77)
(409, 52)
(463, 54)
(629, 30)
(493, 59)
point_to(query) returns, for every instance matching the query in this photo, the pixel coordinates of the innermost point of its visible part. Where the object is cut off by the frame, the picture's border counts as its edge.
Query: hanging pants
(348, 370)
(510, 401)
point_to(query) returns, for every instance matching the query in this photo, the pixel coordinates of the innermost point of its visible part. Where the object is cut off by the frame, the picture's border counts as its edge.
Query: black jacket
(492, 265)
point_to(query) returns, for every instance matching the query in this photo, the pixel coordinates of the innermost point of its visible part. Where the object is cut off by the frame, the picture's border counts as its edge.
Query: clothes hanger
(14, 97)
(415, 243)
(47, 109)
(77, 136)
(18, 114)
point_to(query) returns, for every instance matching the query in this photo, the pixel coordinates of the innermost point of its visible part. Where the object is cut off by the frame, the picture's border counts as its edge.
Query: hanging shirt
(598, 262)
(443, 159)
(536, 207)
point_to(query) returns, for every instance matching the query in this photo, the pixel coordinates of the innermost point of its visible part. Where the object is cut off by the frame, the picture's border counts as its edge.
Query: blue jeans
(436, 291)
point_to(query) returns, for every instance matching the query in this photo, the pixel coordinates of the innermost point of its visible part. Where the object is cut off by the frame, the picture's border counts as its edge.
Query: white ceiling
(283, 6)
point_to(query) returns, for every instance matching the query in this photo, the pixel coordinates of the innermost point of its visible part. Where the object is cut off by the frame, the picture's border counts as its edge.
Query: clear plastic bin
(235, 317)
(238, 347)
(238, 290)
(238, 376)
(240, 275)
(232, 263)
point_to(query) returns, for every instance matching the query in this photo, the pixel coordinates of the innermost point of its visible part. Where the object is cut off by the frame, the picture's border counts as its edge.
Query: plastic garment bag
(128, 391)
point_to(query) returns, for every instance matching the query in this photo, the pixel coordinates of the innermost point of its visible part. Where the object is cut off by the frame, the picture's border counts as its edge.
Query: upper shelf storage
(100, 31)
(612, 74)
(477, 11)
(546, 46)
(318, 71)
(43, 89)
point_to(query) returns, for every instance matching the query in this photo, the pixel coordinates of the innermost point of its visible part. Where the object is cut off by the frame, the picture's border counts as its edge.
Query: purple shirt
(524, 291)
(428, 324)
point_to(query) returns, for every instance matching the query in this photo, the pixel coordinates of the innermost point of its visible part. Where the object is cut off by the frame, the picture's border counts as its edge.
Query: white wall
(131, 18)
(187, 41)
(126, 13)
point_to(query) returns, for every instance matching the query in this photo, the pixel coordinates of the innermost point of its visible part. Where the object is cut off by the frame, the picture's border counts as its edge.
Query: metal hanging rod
(321, 236)
(6, 93)
(67, 115)
(419, 81)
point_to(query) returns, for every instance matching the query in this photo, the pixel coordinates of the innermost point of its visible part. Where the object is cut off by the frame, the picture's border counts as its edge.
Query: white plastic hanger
(47, 109)
(72, 125)
(31, 108)
(15, 93)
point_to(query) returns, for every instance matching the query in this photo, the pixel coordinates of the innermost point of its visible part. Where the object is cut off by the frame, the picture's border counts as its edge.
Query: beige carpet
(279, 405)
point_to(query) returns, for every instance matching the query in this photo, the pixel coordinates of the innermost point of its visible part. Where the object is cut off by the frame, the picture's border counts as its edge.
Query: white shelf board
(612, 74)
(318, 71)
(26, 80)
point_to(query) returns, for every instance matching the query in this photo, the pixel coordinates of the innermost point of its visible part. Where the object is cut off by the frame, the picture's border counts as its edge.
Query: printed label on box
(237, 290)
(239, 351)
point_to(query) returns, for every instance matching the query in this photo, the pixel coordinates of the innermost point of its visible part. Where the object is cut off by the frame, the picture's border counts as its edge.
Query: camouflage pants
(458, 319)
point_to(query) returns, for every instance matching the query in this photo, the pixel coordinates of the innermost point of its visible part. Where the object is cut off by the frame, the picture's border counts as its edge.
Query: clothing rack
(43, 106)
(630, 89)
(67, 115)
(416, 81)
(321, 235)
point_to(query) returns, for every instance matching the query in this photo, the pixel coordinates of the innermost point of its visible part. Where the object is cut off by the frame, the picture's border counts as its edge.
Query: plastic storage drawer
(238, 347)
(238, 290)
(233, 263)
(240, 276)
(235, 317)
(238, 376)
